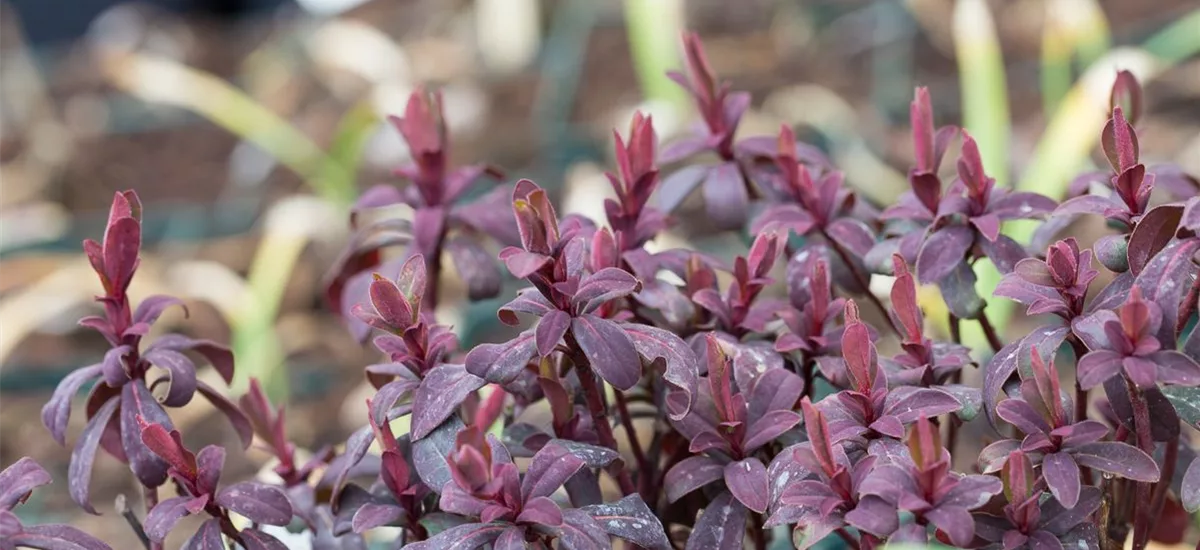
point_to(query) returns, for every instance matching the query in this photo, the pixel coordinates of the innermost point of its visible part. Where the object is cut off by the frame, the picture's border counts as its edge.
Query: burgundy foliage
(674, 399)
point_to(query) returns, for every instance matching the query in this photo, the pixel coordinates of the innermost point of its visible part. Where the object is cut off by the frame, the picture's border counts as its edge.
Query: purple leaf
(677, 186)
(121, 243)
(1176, 368)
(958, 291)
(136, 401)
(603, 286)
(1003, 252)
(747, 481)
(1118, 459)
(512, 539)
(580, 532)
(463, 537)
(1023, 416)
(181, 373)
(769, 427)
(550, 330)
(1190, 492)
(1062, 477)
(219, 356)
(149, 310)
(528, 300)
(540, 511)
(774, 390)
(1046, 338)
(373, 515)
(1166, 280)
(209, 464)
(787, 217)
(501, 363)
(630, 519)
(592, 456)
(955, 522)
(79, 473)
(357, 446)
(1153, 231)
(853, 234)
(1021, 205)
(257, 502)
(388, 395)
(429, 454)
(721, 526)
(55, 537)
(873, 515)
(19, 479)
(114, 370)
(608, 349)
(167, 513)
(690, 474)
(725, 197)
(522, 264)
(475, 266)
(943, 251)
(253, 539)
(440, 394)
(1097, 367)
(236, 417)
(551, 467)
(907, 407)
(683, 369)
(57, 411)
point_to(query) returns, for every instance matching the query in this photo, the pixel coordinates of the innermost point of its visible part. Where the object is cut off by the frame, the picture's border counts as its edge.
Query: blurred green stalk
(986, 117)
(255, 344)
(654, 28)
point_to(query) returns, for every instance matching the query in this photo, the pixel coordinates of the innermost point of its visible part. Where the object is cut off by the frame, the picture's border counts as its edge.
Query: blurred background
(249, 126)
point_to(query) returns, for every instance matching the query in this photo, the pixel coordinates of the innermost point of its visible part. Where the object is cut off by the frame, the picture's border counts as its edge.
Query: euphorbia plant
(672, 398)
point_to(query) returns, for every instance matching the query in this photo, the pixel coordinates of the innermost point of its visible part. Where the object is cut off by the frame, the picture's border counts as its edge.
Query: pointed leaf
(690, 474)
(79, 472)
(430, 452)
(57, 411)
(943, 251)
(168, 512)
(721, 526)
(1118, 459)
(550, 330)
(550, 469)
(630, 519)
(501, 363)
(444, 388)
(609, 350)
(747, 480)
(682, 367)
(208, 537)
(136, 402)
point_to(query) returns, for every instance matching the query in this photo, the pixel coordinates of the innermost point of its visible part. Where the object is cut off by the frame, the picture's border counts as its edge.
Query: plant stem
(151, 500)
(1081, 395)
(989, 331)
(631, 433)
(599, 412)
(1141, 428)
(433, 267)
(1170, 456)
(955, 329)
(862, 280)
(132, 520)
(757, 533)
(1104, 513)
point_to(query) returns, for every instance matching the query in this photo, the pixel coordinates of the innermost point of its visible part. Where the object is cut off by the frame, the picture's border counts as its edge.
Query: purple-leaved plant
(17, 482)
(666, 398)
(441, 221)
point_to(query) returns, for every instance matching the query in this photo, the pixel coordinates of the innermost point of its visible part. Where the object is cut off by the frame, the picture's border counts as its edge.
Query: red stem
(862, 280)
(989, 331)
(599, 412)
(151, 497)
(631, 433)
(1141, 425)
